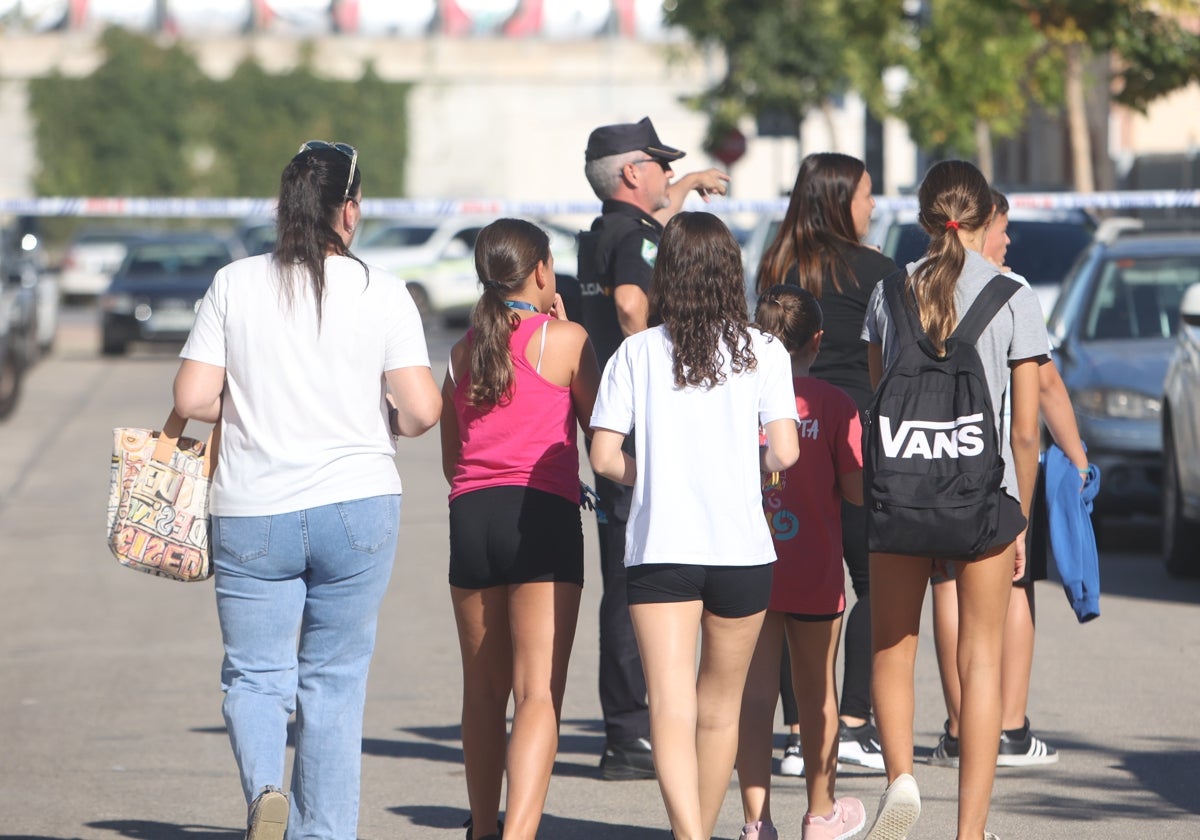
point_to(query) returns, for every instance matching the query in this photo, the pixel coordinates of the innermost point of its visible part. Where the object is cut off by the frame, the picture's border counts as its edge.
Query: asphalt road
(110, 722)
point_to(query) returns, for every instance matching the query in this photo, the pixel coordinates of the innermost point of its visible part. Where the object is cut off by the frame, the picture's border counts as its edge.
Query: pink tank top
(529, 441)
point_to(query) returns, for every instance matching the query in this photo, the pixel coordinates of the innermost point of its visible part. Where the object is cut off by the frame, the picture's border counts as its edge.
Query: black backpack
(932, 464)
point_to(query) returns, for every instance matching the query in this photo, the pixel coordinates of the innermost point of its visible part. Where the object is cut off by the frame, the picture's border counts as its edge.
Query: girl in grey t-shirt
(955, 209)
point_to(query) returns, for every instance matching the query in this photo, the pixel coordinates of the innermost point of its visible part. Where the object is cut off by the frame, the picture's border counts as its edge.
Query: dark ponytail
(312, 191)
(506, 252)
(789, 313)
(953, 196)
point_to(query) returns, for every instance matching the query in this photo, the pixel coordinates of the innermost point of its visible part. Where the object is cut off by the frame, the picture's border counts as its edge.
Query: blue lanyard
(520, 304)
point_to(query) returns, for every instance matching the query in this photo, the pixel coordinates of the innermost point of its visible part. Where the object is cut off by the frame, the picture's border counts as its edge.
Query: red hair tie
(951, 225)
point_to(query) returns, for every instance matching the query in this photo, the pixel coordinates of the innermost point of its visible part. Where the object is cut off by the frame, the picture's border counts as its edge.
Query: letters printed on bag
(158, 509)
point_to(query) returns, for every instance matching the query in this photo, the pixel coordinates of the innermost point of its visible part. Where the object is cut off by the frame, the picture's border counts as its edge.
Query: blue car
(1113, 328)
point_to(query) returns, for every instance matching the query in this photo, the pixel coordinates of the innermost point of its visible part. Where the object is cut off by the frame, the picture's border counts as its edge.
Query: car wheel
(110, 346)
(10, 383)
(421, 299)
(1181, 536)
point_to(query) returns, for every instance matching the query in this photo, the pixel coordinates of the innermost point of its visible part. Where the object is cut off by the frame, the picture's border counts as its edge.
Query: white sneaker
(792, 763)
(899, 808)
(268, 815)
(858, 746)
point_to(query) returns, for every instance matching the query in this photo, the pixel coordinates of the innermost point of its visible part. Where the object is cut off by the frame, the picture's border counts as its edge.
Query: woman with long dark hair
(819, 247)
(518, 386)
(698, 551)
(294, 354)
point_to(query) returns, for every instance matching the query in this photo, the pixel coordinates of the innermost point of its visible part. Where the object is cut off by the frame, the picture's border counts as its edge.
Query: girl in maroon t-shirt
(808, 595)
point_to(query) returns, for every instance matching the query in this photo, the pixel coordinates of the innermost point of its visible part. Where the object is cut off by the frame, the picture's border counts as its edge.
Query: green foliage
(148, 122)
(782, 55)
(971, 63)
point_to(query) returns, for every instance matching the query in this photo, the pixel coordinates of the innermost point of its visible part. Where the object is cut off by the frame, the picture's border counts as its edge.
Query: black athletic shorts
(505, 535)
(726, 591)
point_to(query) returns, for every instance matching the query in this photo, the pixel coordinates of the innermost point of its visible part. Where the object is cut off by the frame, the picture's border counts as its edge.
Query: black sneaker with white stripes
(1021, 748)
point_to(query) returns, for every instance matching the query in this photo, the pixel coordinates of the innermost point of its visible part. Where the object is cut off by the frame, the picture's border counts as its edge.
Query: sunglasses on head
(345, 148)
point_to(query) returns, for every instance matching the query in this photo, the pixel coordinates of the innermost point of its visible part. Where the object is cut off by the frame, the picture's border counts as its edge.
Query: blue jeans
(322, 573)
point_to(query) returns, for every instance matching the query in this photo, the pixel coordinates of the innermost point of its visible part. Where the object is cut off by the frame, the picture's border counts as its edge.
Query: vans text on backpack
(932, 463)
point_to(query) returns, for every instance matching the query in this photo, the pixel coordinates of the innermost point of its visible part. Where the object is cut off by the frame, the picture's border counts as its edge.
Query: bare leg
(945, 640)
(483, 637)
(542, 617)
(1017, 664)
(757, 716)
(898, 584)
(667, 634)
(813, 646)
(727, 645)
(984, 591)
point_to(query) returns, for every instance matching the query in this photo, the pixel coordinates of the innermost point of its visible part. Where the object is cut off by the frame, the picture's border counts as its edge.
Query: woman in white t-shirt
(698, 549)
(293, 353)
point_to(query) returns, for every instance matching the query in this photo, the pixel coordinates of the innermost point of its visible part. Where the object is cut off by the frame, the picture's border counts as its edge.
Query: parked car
(12, 369)
(435, 256)
(22, 298)
(22, 261)
(155, 293)
(1045, 244)
(1181, 444)
(1113, 328)
(256, 235)
(89, 262)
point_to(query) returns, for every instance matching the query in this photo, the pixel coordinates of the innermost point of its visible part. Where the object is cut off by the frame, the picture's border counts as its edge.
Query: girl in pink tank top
(517, 385)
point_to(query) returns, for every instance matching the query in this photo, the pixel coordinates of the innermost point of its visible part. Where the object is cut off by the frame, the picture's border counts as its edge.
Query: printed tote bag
(158, 500)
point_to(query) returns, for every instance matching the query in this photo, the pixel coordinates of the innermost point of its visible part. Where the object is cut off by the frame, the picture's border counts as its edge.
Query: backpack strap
(904, 317)
(984, 308)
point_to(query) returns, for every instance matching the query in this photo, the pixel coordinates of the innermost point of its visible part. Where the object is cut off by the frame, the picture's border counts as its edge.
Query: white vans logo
(941, 439)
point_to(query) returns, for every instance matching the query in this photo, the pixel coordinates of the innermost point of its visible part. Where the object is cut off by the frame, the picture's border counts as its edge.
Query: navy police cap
(629, 137)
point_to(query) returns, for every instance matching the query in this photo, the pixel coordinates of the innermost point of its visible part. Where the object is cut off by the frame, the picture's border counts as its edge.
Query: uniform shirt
(1018, 332)
(804, 511)
(626, 259)
(843, 357)
(304, 421)
(697, 496)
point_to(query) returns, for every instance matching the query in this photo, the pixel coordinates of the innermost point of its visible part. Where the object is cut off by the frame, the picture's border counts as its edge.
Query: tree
(147, 122)
(1151, 54)
(782, 56)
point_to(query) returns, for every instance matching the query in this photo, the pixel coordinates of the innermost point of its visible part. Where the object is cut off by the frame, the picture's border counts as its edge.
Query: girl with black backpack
(938, 292)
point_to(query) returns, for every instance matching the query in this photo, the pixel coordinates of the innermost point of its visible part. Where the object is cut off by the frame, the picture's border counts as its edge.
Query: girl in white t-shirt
(698, 549)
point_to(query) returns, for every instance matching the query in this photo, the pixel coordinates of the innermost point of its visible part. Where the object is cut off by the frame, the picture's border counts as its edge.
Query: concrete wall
(491, 118)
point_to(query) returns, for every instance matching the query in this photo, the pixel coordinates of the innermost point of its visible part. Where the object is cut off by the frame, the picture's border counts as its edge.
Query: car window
(399, 236)
(173, 258)
(1041, 252)
(1139, 298)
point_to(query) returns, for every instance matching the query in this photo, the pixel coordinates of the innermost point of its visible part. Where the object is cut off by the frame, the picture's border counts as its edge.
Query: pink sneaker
(759, 831)
(847, 820)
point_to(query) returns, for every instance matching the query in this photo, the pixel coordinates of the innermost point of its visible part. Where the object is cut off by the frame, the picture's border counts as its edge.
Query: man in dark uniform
(629, 169)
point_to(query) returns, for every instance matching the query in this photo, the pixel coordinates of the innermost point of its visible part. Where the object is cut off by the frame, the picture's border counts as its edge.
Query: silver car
(1113, 328)
(1181, 444)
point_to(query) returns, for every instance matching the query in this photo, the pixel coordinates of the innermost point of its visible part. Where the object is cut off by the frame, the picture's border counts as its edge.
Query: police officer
(629, 169)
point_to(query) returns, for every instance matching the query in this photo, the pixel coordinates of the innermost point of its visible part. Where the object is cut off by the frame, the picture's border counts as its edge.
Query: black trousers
(856, 678)
(622, 681)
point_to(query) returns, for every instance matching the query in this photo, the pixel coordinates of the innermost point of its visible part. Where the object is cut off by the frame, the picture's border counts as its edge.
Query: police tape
(262, 208)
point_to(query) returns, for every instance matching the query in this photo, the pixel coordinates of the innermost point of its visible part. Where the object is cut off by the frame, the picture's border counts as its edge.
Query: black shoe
(945, 754)
(627, 760)
(497, 836)
(1021, 748)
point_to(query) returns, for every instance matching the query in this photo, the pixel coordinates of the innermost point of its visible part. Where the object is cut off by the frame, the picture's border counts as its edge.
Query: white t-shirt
(697, 498)
(304, 420)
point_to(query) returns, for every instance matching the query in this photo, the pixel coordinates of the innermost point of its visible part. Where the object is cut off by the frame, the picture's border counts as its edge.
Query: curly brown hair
(699, 293)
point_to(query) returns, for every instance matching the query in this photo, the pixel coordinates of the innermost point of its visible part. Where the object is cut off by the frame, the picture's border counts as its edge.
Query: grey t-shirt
(1017, 332)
